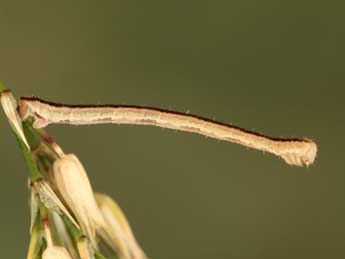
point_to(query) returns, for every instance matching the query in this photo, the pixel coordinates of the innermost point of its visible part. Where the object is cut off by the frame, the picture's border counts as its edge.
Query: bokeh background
(276, 67)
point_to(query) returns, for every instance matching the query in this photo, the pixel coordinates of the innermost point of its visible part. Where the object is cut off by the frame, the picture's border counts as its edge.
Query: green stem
(31, 135)
(34, 173)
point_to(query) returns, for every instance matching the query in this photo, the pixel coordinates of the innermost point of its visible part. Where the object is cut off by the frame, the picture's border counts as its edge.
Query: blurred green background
(276, 67)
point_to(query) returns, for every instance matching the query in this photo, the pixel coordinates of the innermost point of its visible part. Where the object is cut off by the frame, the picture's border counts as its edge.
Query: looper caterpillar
(294, 151)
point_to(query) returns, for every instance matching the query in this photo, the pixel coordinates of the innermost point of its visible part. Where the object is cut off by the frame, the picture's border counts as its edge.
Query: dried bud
(75, 188)
(55, 252)
(50, 200)
(9, 104)
(118, 226)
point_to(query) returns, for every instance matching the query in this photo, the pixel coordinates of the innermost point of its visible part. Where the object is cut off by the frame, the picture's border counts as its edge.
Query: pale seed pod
(118, 226)
(55, 252)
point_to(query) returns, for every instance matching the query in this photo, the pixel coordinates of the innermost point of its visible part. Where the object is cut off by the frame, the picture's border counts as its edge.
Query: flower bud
(75, 188)
(118, 226)
(55, 252)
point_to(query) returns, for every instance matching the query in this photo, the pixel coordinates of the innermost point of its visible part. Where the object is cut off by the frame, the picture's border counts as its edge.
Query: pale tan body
(297, 152)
